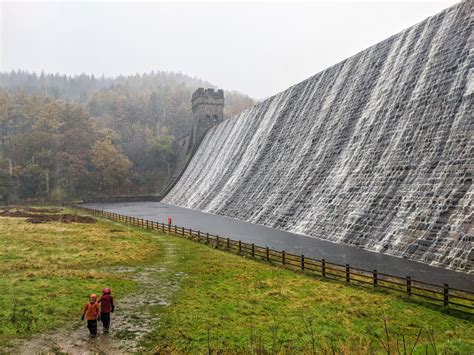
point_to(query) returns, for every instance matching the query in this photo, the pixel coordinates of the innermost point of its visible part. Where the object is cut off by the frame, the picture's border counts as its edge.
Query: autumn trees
(48, 149)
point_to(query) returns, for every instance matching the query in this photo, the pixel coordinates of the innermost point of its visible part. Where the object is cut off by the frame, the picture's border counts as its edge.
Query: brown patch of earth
(44, 217)
(63, 218)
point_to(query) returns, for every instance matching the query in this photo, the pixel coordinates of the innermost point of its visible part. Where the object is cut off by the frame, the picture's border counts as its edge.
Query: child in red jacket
(92, 313)
(106, 307)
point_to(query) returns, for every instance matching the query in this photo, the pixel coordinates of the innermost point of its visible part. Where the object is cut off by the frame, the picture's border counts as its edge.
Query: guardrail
(443, 295)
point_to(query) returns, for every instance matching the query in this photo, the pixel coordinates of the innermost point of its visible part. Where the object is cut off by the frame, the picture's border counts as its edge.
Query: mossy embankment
(221, 301)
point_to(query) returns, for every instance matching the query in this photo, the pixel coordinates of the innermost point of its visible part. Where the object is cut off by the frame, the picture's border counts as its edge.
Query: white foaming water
(374, 152)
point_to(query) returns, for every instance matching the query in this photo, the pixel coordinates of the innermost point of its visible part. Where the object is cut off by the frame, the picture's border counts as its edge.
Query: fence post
(217, 241)
(228, 243)
(283, 257)
(240, 246)
(348, 273)
(375, 278)
(143, 224)
(182, 231)
(446, 295)
(207, 238)
(169, 228)
(253, 250)
(267, 253)
(199, 235)
(323, 267)
(302, 262)
(175, 230)
(409, 285)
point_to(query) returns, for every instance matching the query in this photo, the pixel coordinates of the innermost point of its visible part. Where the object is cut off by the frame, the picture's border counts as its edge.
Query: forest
(70, 137)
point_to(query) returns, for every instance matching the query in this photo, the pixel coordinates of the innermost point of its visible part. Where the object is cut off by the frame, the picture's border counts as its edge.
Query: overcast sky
(259, 49)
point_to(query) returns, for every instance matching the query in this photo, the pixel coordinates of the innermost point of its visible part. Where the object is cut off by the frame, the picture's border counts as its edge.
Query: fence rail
(444, 295)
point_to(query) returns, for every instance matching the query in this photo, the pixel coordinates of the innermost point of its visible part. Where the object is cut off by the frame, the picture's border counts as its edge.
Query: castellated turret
(208, 110)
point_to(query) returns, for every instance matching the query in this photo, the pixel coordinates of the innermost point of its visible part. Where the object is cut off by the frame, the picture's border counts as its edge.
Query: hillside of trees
(73, 137)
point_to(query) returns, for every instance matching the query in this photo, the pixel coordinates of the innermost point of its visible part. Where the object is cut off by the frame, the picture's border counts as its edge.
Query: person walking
(92, 314)
(106, 307)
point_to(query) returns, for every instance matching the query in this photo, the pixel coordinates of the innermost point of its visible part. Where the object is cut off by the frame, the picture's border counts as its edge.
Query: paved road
(290, 242)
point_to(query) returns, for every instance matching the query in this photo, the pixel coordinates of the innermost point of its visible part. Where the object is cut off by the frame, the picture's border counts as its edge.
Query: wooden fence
(442, 295)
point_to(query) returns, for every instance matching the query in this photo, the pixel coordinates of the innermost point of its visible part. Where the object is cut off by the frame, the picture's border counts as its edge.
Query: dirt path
(133, 319)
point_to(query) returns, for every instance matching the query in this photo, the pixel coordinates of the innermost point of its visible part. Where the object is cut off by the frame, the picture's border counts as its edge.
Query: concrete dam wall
(375, 151)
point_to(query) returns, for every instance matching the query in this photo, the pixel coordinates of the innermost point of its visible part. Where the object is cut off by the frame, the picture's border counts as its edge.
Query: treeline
(67, 137)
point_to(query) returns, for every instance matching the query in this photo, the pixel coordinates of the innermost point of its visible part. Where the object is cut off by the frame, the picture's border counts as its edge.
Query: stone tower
(208, 110)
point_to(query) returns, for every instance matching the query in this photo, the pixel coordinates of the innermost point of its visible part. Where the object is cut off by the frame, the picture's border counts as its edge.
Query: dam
(374, 152)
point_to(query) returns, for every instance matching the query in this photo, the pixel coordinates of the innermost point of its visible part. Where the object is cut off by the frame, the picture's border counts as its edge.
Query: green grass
(224, 302)
(230, 303)
(48, 270)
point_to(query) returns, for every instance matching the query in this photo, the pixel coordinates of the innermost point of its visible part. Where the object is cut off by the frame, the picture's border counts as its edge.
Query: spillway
(374, 152)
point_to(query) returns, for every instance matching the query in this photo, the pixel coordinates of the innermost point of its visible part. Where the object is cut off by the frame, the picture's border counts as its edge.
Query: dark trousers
(105, 318)
(92, 325)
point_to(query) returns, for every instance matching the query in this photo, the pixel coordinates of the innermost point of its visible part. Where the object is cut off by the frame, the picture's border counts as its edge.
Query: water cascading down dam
(374, 152)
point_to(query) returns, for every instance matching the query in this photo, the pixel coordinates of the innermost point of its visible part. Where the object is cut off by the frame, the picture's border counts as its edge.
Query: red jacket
(106, 303)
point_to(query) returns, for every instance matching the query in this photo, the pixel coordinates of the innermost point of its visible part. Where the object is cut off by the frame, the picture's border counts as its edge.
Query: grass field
(223, 302)
(48, 270)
